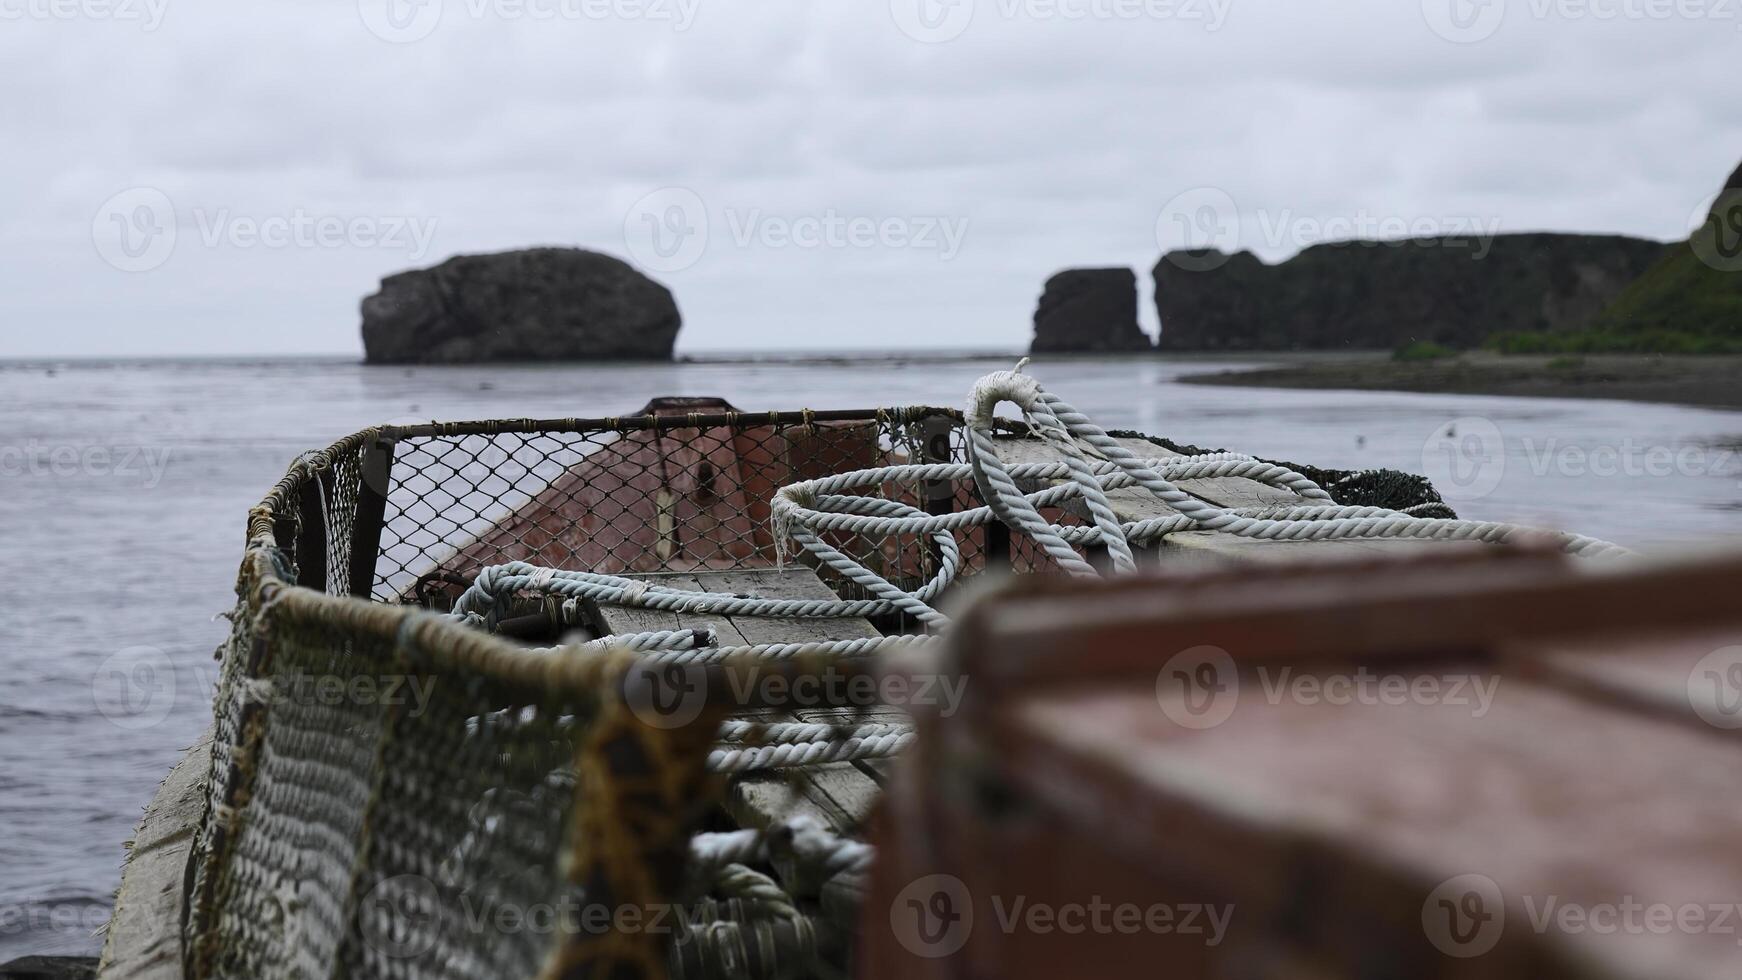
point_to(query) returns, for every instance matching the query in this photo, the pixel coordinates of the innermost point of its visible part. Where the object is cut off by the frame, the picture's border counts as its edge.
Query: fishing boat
(652, 695)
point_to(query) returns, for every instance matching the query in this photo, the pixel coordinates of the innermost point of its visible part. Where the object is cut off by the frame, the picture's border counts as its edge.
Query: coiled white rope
(821, 749)
(1090, 464)
(800, 839)
(804, 512)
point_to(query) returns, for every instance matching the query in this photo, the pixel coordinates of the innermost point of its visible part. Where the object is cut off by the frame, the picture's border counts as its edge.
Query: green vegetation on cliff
(1688, 302)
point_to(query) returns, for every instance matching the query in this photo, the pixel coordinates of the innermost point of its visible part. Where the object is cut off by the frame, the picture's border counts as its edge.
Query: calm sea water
(124, 488)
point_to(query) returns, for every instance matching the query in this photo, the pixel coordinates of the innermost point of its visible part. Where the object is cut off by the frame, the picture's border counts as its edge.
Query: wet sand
(1711, 382)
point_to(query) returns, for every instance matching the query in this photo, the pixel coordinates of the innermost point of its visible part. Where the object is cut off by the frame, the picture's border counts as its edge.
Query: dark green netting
(1391, 489)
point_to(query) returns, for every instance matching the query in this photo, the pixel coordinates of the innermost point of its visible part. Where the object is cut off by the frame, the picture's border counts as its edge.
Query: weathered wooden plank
(628, 619)
(1679, 676)
(143, 940)
(625, 619)
(840, 794)
(1136, 504)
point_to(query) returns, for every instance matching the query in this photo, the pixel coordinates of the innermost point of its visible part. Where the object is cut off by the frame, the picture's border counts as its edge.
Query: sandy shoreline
(1711, 382)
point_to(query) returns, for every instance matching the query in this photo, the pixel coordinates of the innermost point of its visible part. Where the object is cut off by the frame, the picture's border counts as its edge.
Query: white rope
(773, 733)
(800, 839)
(789, 755)
(1091, 463)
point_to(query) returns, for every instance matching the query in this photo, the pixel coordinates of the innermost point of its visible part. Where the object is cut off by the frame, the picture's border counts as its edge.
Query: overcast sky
(232, 176)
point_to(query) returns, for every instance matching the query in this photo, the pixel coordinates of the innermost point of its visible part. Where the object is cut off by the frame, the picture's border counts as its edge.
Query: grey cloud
(1052, 142)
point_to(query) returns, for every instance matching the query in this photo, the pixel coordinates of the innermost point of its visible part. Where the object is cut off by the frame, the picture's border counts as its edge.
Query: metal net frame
(678, 492)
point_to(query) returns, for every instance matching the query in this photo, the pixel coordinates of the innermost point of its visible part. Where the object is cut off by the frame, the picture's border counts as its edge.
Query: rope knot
(1000, 386)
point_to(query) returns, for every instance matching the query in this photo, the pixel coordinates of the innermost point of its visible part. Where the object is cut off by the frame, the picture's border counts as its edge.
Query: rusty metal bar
(377, 469)
(311, 537)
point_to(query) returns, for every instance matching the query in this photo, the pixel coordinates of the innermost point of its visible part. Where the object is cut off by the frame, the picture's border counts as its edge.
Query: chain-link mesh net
(394, 795)
(663, 493)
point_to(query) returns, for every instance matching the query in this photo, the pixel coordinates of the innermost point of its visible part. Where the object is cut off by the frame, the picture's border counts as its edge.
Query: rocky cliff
(1085, 310)
(1380, 295)
(564, 304)
(1692, 298)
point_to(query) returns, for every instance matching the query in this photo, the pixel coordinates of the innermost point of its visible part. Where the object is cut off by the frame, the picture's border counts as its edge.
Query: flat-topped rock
(1087, 310)
(564, 304)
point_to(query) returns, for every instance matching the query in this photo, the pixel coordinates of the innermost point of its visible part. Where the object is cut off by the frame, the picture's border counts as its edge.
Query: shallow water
(124, 489)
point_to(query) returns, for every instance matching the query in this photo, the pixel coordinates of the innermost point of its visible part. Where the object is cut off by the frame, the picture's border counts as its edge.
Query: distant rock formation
(1381, 295)
(1691, 300)
(1085, 310)
(558, 304)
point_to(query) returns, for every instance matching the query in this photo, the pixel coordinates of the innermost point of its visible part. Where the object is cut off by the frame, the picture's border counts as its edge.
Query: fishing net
(395, 795)
(401, 788)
